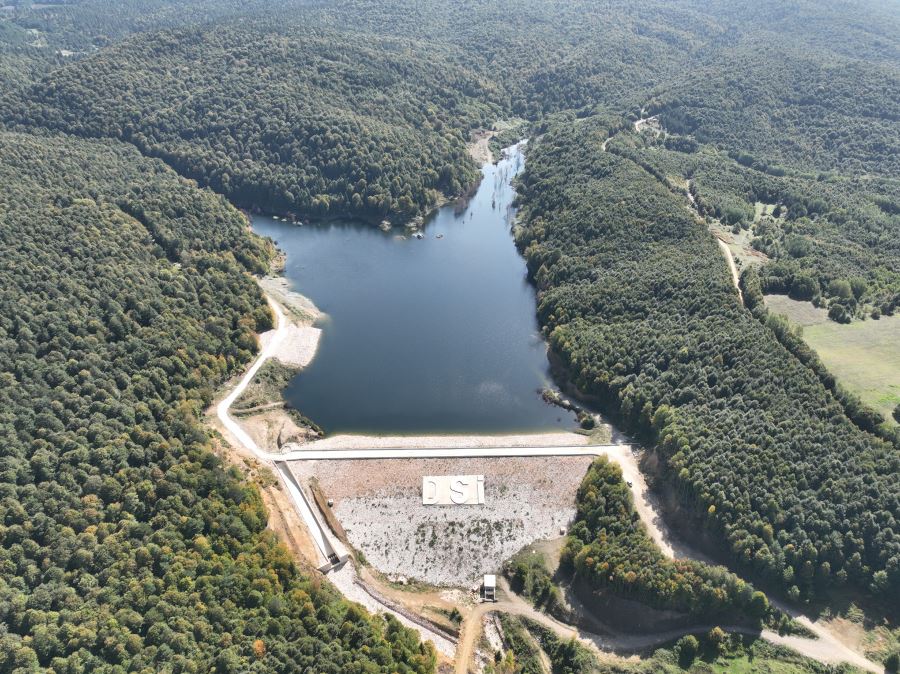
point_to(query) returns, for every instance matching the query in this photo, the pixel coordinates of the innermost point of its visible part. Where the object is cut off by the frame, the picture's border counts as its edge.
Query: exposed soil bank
(261, 408)
(479, 146)
(353, 441)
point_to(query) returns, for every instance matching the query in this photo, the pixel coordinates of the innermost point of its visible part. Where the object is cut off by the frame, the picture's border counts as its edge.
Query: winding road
(827, 648)
(270, 348)
(344, 576)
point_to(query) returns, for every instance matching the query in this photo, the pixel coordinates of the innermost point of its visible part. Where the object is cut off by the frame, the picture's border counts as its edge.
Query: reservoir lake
(431, 335)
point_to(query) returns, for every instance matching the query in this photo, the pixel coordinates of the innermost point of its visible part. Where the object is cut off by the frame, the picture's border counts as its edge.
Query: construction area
(378, 503)
(419, 526)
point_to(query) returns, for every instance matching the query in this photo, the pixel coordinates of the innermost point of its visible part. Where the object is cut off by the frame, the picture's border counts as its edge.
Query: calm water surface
(430, 335)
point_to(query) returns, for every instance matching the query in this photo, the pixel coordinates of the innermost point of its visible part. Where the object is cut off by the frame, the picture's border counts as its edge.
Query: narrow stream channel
(431, 335)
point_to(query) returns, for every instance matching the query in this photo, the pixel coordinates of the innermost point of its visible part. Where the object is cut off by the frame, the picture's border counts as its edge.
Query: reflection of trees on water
(501, 174)
(508, 168)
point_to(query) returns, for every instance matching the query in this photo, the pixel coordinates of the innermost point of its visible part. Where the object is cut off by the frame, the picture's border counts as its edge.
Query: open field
(801, 313)
(863, 355)
(379, 504)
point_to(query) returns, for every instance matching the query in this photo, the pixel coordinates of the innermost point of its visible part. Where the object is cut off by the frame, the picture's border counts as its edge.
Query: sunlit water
(430, 335)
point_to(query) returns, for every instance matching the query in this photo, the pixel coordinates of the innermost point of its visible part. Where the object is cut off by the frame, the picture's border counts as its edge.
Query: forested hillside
(609, 548)
(806, 82)
(125, 298)
(288, 120)
(833, 237)
(790, 111)
(125, 544)
(292, 105)
(82, 26)
(640, 308)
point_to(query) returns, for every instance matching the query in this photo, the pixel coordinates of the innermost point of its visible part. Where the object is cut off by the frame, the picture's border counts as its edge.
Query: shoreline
(291, 345)
(301, 341)
(479, 146)
(300, 349)
(242, 449)
(440, 441)
(279, 288)
(827, 649)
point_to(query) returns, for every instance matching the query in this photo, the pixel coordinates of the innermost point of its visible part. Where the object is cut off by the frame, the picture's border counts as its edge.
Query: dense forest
(287, 120)
(125, 544)
(609, 548)
(832, 112)
(829, 237)
(126, 299)
(643, 314)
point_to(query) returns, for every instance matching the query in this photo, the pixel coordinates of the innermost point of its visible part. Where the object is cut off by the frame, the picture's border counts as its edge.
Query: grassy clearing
(863, 355)
(760, 209)
(881, 641)
(730, 654)
(266, 387)
(745, 664)
(529, 575)
(800, 313)
(739, 242)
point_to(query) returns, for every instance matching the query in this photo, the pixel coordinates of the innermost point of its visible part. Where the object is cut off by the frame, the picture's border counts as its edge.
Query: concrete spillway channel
(331, 551)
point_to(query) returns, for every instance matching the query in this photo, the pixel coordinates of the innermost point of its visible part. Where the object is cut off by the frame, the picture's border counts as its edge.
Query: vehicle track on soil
(301, 504)
(827, 648)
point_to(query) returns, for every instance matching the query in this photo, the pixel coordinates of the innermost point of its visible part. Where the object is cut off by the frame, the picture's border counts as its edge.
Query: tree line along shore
(128, 297)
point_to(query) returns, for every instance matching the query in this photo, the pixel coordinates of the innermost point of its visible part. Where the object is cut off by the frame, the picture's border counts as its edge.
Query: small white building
(489, 587)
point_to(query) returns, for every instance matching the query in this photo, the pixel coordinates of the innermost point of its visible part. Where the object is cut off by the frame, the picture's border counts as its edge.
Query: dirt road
(345, 580)
(735, 277)
(826, 649)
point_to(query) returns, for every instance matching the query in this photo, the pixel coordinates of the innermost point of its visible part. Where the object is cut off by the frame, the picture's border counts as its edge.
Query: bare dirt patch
(485, 145)
(652, 124)
(273, 428)
(261, 408)
(299, 345)
(298, 306)
(479, 146)
(379, 504)
(739, 243)
(263, 413)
